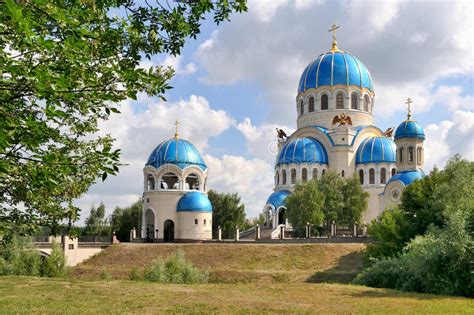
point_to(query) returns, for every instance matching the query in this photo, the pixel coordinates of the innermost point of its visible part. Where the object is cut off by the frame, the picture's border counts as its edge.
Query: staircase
(265, 234)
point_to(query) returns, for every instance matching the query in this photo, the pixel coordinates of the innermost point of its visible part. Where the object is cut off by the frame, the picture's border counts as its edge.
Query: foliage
(97, 223)
(123, 220)
(19, 256)
(65, 67)
(331, 185)
(426, 202)
(228, 212)
(355, 201)
(55, 265)
(330, 198)
(439, 262)
(304, 206)
(175, 270)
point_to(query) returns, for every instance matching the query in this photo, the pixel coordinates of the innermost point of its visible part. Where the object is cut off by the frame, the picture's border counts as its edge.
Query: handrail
(276, 232)
(247, 232)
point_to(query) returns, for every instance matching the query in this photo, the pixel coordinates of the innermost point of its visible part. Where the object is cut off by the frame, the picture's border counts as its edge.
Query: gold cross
(176, 132)
(408, 102)
(334, 42)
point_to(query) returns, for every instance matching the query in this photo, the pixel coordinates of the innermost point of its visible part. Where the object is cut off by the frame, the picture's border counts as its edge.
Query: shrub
(19, 257)
(55, 264)
(175, 270)
(438, 262)
(135, 274)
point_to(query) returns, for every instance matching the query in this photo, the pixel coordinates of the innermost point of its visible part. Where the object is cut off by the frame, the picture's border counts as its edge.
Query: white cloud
(175, 62)
(251, 179)
(447, 138)
(261, 140)
(264, 10)
(406, 54)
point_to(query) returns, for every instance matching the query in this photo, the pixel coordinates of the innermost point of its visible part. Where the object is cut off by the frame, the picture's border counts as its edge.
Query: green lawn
(20, 295)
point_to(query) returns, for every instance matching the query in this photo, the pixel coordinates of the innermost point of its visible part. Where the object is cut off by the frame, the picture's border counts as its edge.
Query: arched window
(410, 154)
(315, 173)
(324, 102)
(371, 176)
(192, 182)
(383, 176)
(169, 181)
(311, 104)
(293, 176)
(361, 177)
(400, 155)
(339, 101)
(394, 171)
(418, 155)
(342, 173)
(366, 103)
(283, 177)
(354, 101)
(150, 182)
(304, 175)
(301, 107)
(323, 172)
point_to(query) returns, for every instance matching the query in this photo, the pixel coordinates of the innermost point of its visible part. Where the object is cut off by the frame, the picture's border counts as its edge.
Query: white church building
(336, 132)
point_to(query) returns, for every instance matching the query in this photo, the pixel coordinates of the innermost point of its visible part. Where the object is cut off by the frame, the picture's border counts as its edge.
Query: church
(335, 132)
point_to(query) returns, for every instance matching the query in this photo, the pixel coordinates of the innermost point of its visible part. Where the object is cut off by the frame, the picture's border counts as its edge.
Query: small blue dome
(194, 201)
(376, 150)
(406, 177)
(277, 198)
(409, 129)
(303, 150)
(335, 67)
(175, 151)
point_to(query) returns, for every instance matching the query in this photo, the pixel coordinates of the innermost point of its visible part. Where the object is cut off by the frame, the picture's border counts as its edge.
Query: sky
(238, 81)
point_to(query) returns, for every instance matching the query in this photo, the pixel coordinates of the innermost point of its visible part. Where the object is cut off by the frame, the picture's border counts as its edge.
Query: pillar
(237, 233)
(355, 230)
(219, 233)
(282, 232)
(257, 232)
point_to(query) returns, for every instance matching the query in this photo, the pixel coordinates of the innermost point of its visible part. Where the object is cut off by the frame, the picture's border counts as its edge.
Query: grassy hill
(26, 295)
(229, 263)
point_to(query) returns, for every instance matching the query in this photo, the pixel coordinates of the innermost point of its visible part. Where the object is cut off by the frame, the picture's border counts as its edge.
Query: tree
(355, 201)
(331, 185)
(65, 66)
(96, 223)
(228, 212)
(305, 206)
(425, 203)
(123, 220)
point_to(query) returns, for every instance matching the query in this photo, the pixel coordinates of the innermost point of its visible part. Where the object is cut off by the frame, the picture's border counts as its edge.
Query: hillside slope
(236, 262)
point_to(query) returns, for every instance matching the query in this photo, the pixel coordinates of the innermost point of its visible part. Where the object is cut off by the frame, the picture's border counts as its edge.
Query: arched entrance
(168, 231)
(281, 216)
(149, 225)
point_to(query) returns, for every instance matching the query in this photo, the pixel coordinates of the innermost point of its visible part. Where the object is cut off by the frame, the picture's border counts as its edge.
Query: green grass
(21, 295)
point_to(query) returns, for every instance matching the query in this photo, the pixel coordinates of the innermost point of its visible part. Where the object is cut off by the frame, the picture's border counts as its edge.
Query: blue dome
(194, 201)
(277, 198)
(407, 177)
(376, 150)
(409, 129)
(179, 152)
(303, 150)
(335, 67)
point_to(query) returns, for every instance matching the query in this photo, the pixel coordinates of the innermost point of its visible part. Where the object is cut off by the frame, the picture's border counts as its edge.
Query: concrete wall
(189, 230)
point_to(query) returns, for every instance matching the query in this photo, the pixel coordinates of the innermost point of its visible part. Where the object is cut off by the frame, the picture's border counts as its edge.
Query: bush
(175, 270)
(55, 264)
(19, 257)
(438, 262)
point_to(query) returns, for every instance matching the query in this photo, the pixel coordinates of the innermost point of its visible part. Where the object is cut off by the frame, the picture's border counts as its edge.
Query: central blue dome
(176, 151)
(376, 150)
(335, 67)
(303, 150)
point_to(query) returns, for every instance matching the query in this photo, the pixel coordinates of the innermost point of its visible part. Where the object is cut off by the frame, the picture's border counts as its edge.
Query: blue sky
(236, 82)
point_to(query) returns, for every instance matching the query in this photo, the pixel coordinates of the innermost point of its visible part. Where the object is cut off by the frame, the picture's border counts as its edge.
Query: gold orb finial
(333, 29)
